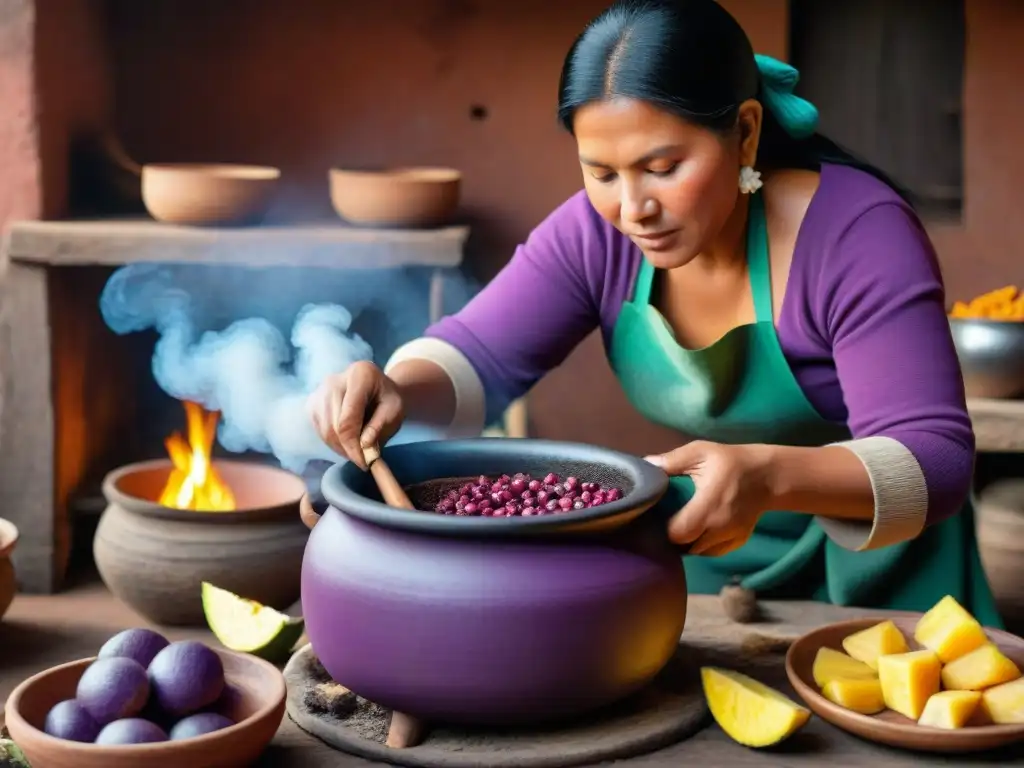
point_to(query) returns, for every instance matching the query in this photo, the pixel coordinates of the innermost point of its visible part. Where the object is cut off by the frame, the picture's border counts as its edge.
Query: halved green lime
(246, 626)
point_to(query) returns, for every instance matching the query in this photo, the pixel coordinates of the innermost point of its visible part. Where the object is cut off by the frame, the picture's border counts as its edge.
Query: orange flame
(194, 483)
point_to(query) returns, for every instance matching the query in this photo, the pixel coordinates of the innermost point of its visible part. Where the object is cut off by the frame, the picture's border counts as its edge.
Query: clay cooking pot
(155, 558)
(492, 620)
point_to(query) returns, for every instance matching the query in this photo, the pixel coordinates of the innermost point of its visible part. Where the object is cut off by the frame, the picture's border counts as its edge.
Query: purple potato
(139, 645)
(131, 730)
(70, 721)
(113, 689)
(198, 725)
(186, 677)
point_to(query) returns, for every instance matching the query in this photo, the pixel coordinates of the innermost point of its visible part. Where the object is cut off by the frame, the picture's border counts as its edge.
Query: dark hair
(692, 58)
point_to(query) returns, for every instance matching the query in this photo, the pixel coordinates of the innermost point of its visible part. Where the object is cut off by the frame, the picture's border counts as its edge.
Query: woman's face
(668, 184)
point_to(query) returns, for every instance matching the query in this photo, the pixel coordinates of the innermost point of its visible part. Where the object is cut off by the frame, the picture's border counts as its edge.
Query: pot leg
(307, 513)
(405, 731)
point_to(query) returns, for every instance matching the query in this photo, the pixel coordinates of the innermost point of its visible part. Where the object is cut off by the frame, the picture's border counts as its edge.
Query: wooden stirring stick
(404, 731)
(390, 489)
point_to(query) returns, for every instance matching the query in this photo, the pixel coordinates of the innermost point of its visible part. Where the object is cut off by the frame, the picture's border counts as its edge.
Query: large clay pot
(155, 558)
(451, 625)
(1000, 523)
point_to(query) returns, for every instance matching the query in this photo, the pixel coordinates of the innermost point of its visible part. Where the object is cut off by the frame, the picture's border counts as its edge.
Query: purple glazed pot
(455, 627)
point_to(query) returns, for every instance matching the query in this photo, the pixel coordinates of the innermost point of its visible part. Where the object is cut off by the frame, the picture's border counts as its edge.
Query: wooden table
(40, 631)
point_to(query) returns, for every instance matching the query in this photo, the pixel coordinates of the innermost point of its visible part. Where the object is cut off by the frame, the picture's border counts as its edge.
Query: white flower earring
(750, 180)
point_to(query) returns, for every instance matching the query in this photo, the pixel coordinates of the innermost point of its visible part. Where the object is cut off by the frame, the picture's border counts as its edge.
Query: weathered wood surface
(40, 631)
(998, 424)
(68, 243)
(53, 424)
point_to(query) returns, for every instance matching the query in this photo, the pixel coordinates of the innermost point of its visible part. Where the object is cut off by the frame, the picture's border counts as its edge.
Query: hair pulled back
(691, 58)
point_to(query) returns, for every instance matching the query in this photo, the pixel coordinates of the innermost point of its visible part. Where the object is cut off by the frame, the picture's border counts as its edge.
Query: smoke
(249, 371)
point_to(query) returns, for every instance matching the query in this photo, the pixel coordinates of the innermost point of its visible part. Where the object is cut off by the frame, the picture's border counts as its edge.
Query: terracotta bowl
(208, 194)
(399, 197)
(256, 703)
(8, 584)
(888, 727)
(155, 558)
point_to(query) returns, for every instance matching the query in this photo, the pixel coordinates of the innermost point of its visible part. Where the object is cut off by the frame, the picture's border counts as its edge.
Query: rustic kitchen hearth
(80, 400)
(92, 87)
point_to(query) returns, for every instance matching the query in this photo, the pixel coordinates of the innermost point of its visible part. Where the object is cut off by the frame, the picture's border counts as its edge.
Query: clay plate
(888, 727)
(256, 701)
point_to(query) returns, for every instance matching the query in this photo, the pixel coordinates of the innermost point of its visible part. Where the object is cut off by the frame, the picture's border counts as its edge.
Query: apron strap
(758, 265)
(758, 262)
(644, 281)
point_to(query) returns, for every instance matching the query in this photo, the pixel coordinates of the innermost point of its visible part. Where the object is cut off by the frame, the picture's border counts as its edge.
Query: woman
(758, 289)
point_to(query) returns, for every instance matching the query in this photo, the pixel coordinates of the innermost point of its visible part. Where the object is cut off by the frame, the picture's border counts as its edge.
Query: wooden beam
(113, 242)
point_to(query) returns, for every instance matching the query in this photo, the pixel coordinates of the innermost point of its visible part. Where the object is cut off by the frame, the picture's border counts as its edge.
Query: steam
(249, 371)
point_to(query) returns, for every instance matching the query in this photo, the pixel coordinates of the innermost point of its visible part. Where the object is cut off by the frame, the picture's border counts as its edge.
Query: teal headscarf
(797, 116)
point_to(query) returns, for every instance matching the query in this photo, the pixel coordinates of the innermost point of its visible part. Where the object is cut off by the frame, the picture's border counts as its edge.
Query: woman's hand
(732, 490)
(355, 409)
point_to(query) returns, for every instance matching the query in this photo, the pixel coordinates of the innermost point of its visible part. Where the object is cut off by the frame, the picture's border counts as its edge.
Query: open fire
(194, 483)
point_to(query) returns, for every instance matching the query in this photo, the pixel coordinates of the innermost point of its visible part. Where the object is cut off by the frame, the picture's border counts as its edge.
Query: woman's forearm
(829, 482)
(439, 386)
(428, 394)
(866, 493)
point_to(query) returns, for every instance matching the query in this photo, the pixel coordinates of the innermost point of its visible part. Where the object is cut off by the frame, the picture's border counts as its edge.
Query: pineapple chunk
(1004, 704)
(883, 639)
(832, 665)
(750, 712)
(864, 696)
(981, 668)
(949, 630)
(949, 709)
(909, 680)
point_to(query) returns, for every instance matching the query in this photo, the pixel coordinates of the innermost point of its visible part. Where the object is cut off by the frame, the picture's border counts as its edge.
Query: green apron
(741, 390)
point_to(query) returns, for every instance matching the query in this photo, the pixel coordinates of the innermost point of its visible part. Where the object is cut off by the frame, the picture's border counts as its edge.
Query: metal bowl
(991, 354)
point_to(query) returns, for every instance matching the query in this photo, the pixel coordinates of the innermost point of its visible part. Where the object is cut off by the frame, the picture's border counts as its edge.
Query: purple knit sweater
(863, 323)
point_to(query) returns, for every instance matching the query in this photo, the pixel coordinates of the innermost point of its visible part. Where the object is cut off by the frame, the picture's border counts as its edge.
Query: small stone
(331, 699)
(739, 603)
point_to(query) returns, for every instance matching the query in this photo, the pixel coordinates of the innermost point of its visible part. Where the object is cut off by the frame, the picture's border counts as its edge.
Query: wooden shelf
(115, 242)
(998, 424)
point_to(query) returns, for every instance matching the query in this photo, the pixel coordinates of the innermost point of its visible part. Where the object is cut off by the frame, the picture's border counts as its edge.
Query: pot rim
(244, 172)
(988, 322)
(8, 536)
(434, 175)
(651, 483)
(136, 505)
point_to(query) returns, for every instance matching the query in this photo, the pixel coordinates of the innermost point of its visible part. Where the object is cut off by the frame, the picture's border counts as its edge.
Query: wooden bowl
(399, 197)
(888, 727)
(208, 194)
(255, 700)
